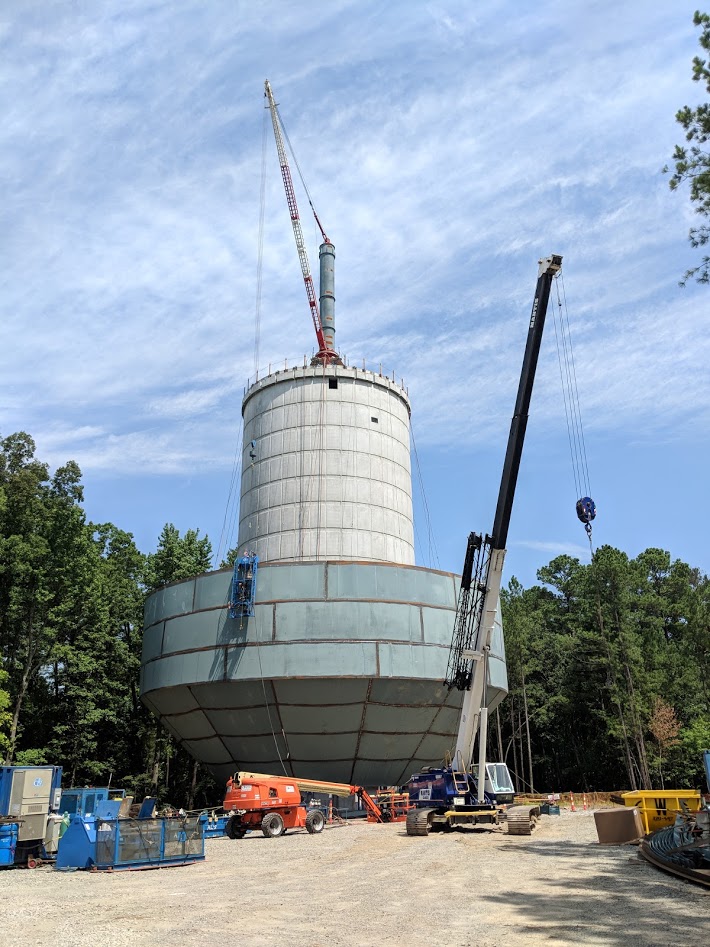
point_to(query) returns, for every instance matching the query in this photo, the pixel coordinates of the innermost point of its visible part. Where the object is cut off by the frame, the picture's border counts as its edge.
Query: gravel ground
(363, 884)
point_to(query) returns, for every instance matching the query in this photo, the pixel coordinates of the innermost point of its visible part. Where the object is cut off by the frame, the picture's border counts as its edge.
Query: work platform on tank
(339, 673)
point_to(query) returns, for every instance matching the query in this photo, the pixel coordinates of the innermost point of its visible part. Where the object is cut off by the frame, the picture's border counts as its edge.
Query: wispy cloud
(554, 548)
(445, 154)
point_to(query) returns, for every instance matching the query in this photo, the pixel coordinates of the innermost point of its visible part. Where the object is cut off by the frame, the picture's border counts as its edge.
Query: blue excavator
(458, 793)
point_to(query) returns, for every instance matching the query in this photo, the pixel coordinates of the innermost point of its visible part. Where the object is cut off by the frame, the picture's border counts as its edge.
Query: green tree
(692, 161)
(177, 557)
(27, 635)
(5, 715)
(230, 558)
(71, 613)
(598, 657)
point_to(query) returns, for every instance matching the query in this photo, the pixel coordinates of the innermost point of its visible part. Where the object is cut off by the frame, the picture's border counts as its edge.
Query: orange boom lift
(273, 803)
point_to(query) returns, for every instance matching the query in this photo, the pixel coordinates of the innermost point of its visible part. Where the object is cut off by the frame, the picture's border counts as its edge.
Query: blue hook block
(586, 509)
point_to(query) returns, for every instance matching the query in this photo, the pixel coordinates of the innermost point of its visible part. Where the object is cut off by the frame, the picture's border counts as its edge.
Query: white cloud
(554, 548)
(444, 156)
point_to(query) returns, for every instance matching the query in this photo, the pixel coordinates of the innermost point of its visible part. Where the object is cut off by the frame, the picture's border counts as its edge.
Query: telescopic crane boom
(448, 796)
(326, 353)
(483, 566)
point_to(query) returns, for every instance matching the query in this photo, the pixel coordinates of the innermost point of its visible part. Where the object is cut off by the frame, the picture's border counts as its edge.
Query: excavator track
(522, 819)
(418, 821)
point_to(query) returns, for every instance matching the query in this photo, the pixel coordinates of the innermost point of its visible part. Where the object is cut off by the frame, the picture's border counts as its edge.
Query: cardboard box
(616, 826)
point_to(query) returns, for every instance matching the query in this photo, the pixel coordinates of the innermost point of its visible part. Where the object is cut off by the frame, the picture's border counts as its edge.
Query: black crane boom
(548, 268)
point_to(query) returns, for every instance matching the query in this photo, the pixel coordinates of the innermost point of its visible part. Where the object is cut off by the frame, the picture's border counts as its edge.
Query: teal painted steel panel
(212, 590)
(321, 719)
(290, 582)
(337, 771)
(184, 669)
(171, 700)
(446, 720)
(438, 626)
(215, 627)
(193, 725)
(361, 581)
(497, 673)
(312, 747)
(497, 645)
(398, 719)
(379, 773)
(412, 692)
(243, 721)
(222, 695)
(172, 600)
(209, 751)
(433, 747)
(388, 746)
(203, 629)
(152, 642)
(363, 620)
(411, 660)
(302, 660)
(333, 690)
(257, 750)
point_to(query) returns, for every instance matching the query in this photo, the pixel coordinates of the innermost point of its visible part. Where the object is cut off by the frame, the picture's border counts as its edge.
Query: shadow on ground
(605, 895)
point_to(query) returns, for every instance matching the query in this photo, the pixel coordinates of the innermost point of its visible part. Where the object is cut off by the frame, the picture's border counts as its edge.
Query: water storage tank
(339, 674)
(325, 471)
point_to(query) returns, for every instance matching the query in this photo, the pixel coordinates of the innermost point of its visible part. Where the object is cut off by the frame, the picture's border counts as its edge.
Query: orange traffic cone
(584, 800)
(571, 802)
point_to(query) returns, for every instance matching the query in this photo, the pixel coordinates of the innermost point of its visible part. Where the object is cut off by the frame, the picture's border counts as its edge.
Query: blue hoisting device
(243, 590)
(586, 511)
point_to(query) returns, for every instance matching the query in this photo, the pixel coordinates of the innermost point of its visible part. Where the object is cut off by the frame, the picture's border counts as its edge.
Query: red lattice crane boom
(325, 352)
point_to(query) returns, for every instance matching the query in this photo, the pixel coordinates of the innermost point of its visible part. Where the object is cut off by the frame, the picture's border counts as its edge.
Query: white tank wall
(327, 481)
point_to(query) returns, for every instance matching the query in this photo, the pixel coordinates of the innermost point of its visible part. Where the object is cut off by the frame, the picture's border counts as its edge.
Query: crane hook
(586, 511)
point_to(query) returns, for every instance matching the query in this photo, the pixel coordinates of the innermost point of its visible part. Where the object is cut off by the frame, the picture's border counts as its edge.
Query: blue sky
(447, 147)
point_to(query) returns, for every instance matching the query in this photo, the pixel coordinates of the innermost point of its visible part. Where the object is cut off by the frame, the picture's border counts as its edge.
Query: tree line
(71, 617)
(609, 673)
(608, 663)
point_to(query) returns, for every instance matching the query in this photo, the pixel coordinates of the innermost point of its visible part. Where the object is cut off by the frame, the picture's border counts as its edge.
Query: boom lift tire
(272, 825)
(315, 822)
(234, 828)
(419, 821)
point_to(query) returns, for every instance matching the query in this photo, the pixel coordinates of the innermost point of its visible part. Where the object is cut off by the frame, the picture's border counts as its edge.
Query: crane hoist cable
(301, 178)
(585, 506)
(232, 506)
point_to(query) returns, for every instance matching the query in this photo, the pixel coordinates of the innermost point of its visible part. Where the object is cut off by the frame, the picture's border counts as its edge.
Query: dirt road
(370, 885)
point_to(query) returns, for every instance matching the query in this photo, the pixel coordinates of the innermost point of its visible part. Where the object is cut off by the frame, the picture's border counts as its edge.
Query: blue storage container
(8, 843)
(86, 800)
